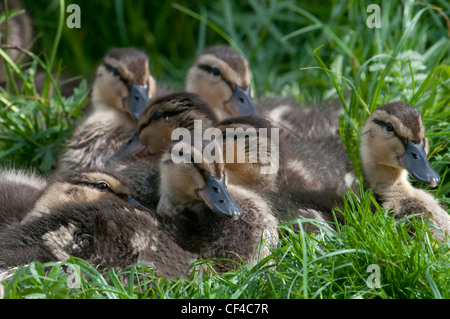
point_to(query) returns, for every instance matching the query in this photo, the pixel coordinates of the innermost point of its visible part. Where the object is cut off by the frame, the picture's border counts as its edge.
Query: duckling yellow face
(168, 113)
(221, 76)
(394, 136)
(189, 176)
(250, 157)
(123, 81)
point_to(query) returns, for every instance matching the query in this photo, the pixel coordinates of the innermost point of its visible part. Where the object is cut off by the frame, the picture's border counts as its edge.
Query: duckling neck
(388, 182)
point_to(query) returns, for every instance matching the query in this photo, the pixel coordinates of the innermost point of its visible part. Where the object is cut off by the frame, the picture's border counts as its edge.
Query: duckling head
(161, 118)
(250, 150)
(82, 187)
(221, 76)
(123, 81)
(190, 176)
(393, 139)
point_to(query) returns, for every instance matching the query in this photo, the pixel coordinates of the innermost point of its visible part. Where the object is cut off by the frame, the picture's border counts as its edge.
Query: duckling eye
(102, 186)
(389, 127)
(116, 72)
(157, 115)
(216, 71)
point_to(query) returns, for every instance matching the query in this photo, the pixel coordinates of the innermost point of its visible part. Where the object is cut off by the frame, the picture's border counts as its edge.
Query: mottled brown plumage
(293, 176)
(300, 122)
(106, 234)
(91, 215)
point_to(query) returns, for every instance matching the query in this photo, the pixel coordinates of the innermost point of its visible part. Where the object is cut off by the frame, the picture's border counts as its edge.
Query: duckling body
(393, 143)
(121, 91)
(106, 234)
(19, 191)
(300, 122)
(91, 215)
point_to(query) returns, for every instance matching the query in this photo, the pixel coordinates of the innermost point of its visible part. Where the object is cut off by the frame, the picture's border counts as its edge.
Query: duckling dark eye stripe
(404, 140)
(209, 69)
(206, 68)
(84, 183)
(111, 69)
(381, 123)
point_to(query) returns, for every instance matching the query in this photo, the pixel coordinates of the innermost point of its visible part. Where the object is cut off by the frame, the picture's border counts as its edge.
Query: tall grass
(314, 52)
(35, 123)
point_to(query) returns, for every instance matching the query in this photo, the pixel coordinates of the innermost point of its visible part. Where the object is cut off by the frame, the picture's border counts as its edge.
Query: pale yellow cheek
(113, 93)
(214, 92)
(385, 150)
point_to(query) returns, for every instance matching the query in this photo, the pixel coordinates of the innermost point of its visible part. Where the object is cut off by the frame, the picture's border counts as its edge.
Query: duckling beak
(215, 195)
(133, 147)
(415, 161)
(132, 201)
(241, 103)
(138, 99)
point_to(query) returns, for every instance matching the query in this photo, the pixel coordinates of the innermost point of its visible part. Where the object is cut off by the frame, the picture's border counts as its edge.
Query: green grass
(315, 52)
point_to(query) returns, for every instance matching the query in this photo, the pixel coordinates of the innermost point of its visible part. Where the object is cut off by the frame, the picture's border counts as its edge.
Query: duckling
(393, 143)
(19, 34)
(221, 76)
(292, 175)
(262, 155)
(92, 215)
(19, 191)
(121, 91)
(138, 159)
(179, 109)
(211, 217)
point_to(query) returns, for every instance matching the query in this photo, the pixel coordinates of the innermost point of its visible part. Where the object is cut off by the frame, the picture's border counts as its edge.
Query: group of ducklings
(118, 196)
